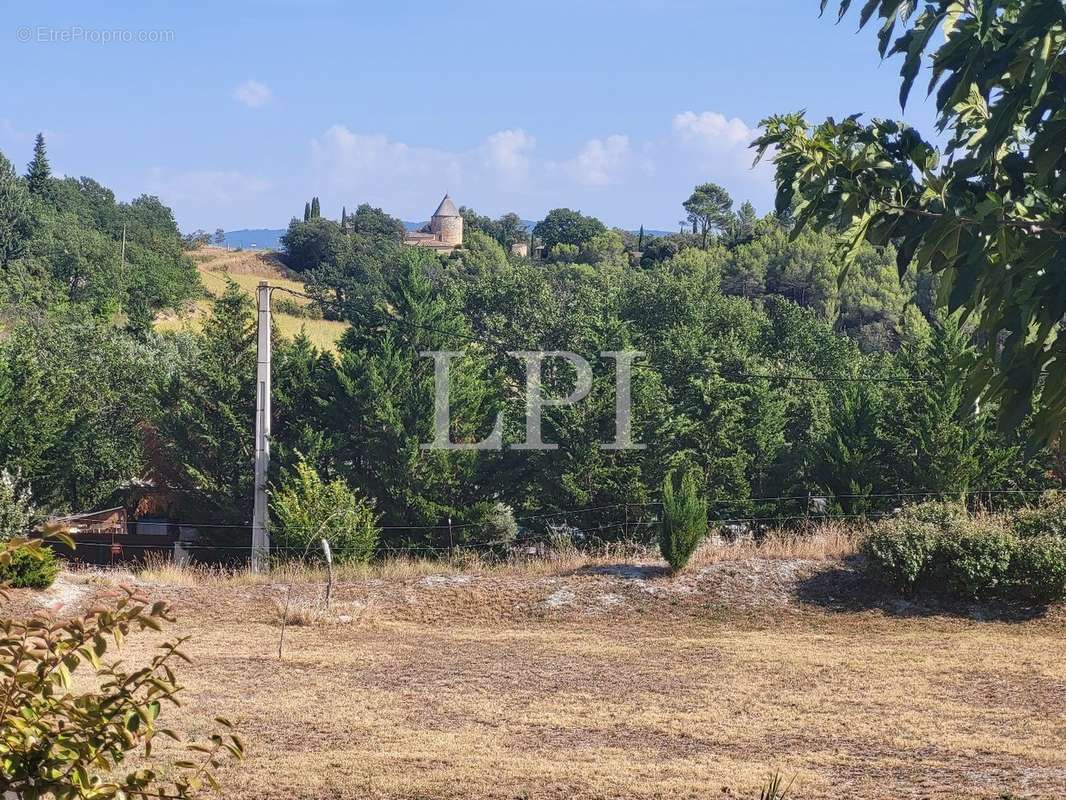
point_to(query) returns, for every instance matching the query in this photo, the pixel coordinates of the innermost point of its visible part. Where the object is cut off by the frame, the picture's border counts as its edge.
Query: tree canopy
(987, 214)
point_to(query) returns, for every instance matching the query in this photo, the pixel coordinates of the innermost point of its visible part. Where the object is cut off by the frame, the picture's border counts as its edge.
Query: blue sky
(235, 113)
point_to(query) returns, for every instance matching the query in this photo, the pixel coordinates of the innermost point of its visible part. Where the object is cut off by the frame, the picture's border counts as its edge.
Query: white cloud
(713, 131)
(601, 162)
(720, 148)
(507, 153)
(252, 94)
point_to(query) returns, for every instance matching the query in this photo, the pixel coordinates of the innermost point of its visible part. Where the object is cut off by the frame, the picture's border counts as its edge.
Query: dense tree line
(82, 278)
(765, 372)
(764, 376)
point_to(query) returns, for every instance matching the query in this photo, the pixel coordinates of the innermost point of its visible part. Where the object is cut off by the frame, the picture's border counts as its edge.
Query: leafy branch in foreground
(65, 744)
(988, 215)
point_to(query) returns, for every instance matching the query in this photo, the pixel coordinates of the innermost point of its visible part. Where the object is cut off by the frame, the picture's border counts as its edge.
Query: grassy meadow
(246, 268)
(606, 677)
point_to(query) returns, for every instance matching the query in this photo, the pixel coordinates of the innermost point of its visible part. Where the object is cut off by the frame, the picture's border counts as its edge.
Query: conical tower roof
(446, 208)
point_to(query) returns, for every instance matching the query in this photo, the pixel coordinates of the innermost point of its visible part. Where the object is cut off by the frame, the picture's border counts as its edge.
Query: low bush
(684, 520)
(934, 547)
(1039, 568)
(499, 529)
(900, 552)
(974, 559)
(1048, 519)
(942, 513)
(30, 570)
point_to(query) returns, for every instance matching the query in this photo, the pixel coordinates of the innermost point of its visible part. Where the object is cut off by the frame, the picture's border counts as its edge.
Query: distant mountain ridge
(270, 238)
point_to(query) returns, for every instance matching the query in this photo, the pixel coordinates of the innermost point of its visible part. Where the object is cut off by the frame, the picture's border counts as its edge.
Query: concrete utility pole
(260, 518)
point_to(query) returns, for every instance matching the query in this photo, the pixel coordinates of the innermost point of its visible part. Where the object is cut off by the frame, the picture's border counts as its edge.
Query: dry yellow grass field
(246, 268)
(600, 678)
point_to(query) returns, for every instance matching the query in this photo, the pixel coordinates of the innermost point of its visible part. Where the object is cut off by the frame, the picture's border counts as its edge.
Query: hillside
(246, 268)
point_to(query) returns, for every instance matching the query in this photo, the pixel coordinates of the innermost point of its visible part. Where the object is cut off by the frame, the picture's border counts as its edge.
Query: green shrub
(1039, 568)
(307, 509)
(974, 559)
(900, 551)
(26, 570)
(942, 513)
(70, 738)
(498, 528)
(1049, 519)
(684, 520)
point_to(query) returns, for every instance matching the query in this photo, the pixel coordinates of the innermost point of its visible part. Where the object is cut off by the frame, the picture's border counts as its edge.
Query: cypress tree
(307, 212)
(684, 522)
(38, 172)
(640, 239)
(316, 210)
(344, 219)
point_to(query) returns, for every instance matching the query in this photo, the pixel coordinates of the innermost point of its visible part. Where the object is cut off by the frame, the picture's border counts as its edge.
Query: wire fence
(543, 528)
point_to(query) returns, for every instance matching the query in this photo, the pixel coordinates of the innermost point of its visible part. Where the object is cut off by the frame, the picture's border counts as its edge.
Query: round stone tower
(446, 223)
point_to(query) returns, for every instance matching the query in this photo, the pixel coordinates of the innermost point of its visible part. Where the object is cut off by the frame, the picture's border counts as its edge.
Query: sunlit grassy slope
(246, 268)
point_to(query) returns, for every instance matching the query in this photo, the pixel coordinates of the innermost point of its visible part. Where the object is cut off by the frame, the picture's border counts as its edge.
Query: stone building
(444, 232)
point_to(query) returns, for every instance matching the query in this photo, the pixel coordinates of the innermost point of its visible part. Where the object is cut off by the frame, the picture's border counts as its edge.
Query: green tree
(307, 212)
(38, 172)
(17, 512)
(988, 218)
(303, 382)
(383, 409)
(563, 226)
(481, 253)
(374, 223)
(850, 457)
(708, 209)
(684, 522)
(745, 223)
(314, 244)
(78, 446)
(207, 411)
(306, 509)
(510, 230)
(16, 217)
(316, 209)
(934, 434)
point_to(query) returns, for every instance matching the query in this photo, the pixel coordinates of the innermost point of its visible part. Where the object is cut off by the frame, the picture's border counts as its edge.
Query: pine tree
(38, 172)
(316, 209)
(307, 212)
(16, 221)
